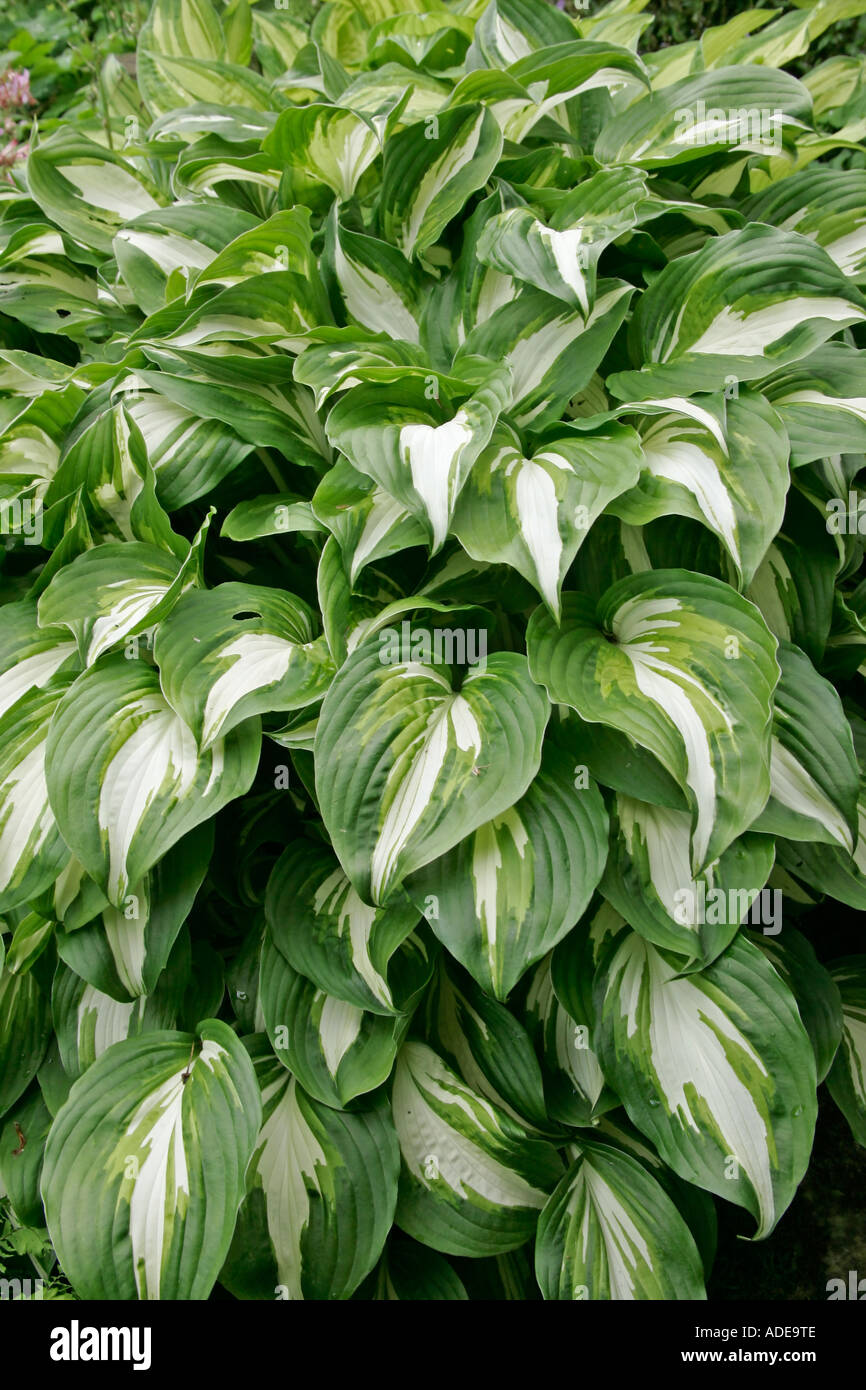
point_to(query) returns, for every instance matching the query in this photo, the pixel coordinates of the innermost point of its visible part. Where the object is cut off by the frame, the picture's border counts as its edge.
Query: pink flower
(15, 89)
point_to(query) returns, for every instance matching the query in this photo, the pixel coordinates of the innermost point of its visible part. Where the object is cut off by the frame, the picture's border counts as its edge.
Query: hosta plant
(432, 653)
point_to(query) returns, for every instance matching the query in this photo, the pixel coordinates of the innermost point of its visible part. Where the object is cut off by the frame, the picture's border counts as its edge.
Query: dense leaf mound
(432, 650)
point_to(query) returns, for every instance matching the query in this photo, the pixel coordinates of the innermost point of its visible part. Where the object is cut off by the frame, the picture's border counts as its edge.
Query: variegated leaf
(534, 513)
(326, 932)
(125, 777)
(416, 446)
(29, 654)
(335, 1049)
(814, 777)
(686, 668)
(610, 1232)
(430, 169)
(115, 591)
(473, 1180)
(407, 766)
(509, 891)
(723, 462)
(151, 1149)
(321, 1192)
(715, 1068)
(727, 311)
(650, 881)
(331, 144)
(238, 650)
(32, 851)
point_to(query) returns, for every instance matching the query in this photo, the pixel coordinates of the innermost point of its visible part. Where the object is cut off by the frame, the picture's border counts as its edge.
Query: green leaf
(25, 1028)
(685, 667)
(123, 952)
(165, 1123)
(29, 655)
(486, 1045)
(125, 778)
(503, 896)
(22, 1143)
(336, 1050)
(821, 393)
(610, 1232)
(473, 1180)
(89, 191)
(815, 990)
(551, 350)
(715, 1068)
(87, 1022)
(274, 514)
(238, 650)
(321, 1192)
(379, 288)
(396, 747)
(730, 108)
(367, 521)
